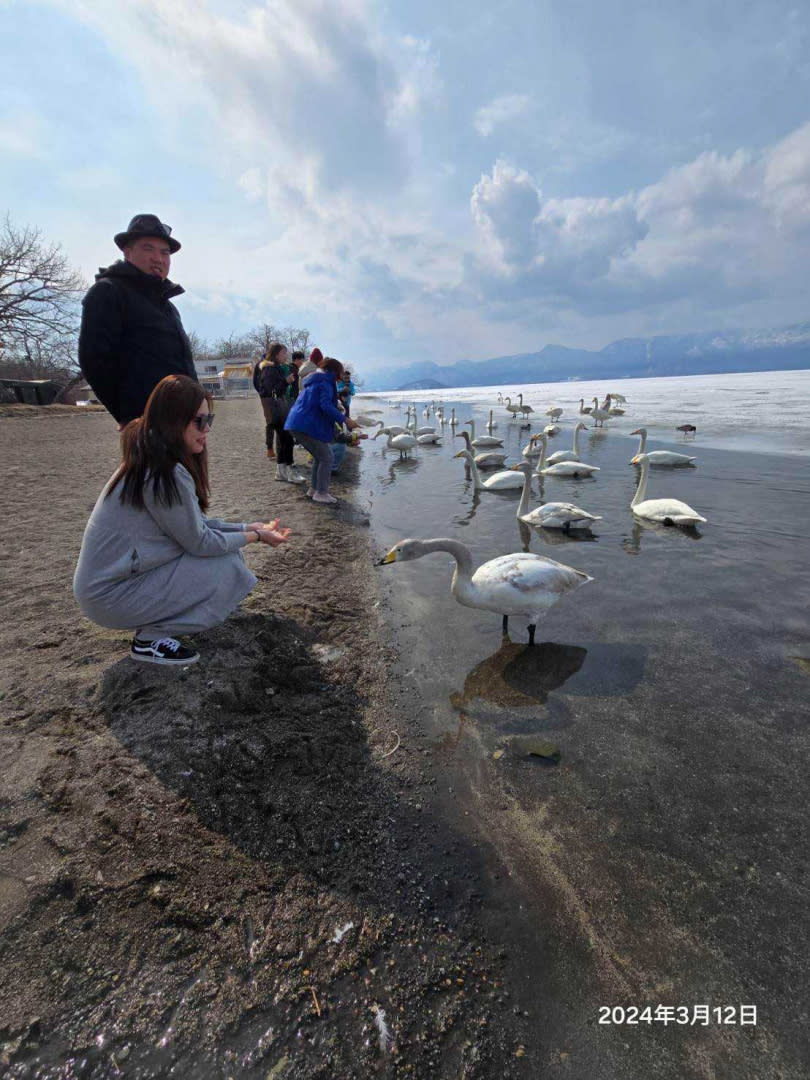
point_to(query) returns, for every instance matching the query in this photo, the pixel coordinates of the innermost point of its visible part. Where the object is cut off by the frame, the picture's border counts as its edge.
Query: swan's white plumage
(518, 584)
(659, 457)
(664, 511)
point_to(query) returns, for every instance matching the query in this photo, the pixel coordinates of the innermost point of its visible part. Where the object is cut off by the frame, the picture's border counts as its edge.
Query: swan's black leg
(532, 629)
(506, 624)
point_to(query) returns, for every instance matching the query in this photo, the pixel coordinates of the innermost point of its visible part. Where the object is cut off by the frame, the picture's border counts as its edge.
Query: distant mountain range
(684, 354)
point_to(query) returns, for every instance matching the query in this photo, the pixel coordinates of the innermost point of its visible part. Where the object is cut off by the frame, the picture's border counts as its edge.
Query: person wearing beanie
(311, 365)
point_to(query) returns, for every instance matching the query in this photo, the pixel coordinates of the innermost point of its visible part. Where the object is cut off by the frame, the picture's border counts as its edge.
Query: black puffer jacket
(131, 337)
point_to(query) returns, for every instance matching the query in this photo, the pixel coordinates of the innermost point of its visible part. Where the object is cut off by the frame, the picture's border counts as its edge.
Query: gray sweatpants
(322, 465)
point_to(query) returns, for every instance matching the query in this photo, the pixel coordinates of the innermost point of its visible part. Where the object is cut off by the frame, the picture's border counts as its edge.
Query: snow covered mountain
(706, 353)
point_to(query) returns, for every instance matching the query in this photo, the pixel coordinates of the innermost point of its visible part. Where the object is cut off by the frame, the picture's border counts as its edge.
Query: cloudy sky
(421, 180)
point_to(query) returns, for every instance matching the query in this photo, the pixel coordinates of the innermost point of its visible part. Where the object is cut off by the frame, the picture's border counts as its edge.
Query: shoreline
(179, 857)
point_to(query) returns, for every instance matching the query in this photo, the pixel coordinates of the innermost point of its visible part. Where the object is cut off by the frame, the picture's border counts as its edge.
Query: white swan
(530, 450)
(563, 468)
(430, 439)
(555, 414)
(659, 457)
(599, 415)
(395, 429)
(492, 423)
(489, 459)
(453, 420)
(551, 430)
(568, 455)
(664, 511)
(415, 431)
(403, 443)
(482, 440)
(550, 515)
(520, 584)
(499, 481)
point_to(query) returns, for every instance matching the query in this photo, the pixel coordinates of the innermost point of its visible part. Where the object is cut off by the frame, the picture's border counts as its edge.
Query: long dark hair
(153, 445)
(273, 352)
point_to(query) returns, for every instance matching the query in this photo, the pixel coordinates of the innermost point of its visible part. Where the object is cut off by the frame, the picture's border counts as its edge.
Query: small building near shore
(234, 379)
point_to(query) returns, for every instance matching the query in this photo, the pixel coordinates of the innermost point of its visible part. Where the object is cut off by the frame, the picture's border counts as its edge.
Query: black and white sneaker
(165, 650)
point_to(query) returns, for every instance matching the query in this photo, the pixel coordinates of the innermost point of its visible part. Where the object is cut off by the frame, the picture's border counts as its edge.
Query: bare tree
(39, 294)
(200, 348)
(233, 345)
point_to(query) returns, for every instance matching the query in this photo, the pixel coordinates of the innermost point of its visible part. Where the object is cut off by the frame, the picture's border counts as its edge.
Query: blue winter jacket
(315, 411)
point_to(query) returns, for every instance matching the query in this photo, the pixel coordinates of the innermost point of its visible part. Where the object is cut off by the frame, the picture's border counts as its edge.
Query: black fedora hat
(147, 225)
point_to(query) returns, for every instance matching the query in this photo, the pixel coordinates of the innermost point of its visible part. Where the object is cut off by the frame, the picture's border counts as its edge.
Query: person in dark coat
(131, 334)
(276, 382)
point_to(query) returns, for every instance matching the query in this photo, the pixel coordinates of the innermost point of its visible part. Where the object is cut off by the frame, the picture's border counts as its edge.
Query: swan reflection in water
(632, 544)
(517, 676)
(552, 536)
(465, 519)
(400, 467)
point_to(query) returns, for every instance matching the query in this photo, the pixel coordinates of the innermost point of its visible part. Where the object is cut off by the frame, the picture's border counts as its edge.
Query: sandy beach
(221, 872)
(225, 872)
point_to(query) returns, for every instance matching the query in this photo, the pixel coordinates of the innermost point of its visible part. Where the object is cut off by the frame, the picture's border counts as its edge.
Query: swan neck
(525, 495)
(542, 459)
(641, 490)
(475, 473)
(576, 440)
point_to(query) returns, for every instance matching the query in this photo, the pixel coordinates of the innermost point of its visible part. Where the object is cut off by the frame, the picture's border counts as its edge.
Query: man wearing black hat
(131, 335)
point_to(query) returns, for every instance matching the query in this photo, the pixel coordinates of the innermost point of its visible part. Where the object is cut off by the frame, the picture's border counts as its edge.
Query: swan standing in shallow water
(659, 457)
(499, 481)
(520, 584)
(599, 415)
(664, 511)
(569, 455)
(550, 515)
(489, 459)
(513, 409)
(403, 443)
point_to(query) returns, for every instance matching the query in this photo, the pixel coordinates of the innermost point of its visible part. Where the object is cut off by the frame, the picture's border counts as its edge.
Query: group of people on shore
(151, 560)
(306, 401)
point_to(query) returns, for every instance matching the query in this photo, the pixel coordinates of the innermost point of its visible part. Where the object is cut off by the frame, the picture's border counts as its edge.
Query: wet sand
(224, 872)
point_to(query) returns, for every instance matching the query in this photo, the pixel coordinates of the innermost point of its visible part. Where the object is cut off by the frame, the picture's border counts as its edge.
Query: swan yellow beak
(389, 558)
(459, 454)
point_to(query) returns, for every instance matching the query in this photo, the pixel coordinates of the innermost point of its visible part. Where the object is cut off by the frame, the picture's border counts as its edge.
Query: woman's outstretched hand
(269, 532)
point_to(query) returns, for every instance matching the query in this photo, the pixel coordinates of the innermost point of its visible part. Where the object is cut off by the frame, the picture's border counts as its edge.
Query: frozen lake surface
(767, 411)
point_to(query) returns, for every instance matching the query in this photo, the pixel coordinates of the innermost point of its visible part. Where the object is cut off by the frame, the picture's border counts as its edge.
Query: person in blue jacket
(311, 422)
(346, 390)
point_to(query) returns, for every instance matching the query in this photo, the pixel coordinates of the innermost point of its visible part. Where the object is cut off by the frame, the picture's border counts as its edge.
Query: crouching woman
(151, 561)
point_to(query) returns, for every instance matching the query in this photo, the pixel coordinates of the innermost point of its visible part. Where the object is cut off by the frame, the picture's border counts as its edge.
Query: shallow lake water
(663, 601)
(674, 687)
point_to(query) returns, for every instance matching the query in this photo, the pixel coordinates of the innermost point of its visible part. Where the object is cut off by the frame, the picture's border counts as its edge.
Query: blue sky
(426, 181)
